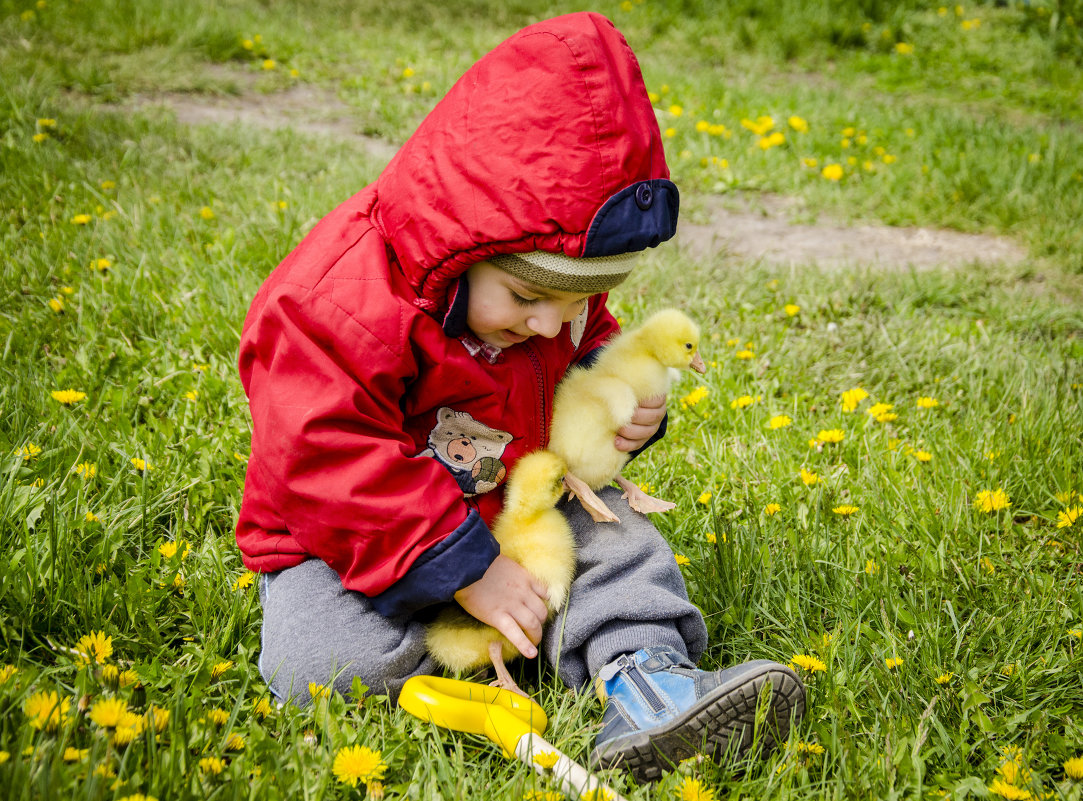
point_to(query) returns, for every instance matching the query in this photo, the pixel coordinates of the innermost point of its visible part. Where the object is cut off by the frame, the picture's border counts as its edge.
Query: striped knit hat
(565, 274)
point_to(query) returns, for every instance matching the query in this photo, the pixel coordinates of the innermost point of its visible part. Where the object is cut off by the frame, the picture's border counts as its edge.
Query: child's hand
(645, 421)
(510, 600)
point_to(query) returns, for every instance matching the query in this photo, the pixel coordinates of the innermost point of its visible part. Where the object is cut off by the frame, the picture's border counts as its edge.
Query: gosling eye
(688, 346)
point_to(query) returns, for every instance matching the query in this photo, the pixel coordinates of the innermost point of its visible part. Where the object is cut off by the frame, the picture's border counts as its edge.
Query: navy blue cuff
(458, 561)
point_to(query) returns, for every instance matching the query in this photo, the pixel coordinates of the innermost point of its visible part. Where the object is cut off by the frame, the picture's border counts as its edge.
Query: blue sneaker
(661, 709)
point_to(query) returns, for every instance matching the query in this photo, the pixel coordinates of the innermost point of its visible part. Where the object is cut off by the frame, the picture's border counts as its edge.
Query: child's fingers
(510, 628)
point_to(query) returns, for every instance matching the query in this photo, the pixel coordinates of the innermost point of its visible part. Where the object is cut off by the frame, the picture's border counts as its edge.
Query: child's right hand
(510, 600)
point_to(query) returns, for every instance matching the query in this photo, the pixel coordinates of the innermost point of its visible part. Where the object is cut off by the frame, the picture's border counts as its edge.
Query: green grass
(917, 573)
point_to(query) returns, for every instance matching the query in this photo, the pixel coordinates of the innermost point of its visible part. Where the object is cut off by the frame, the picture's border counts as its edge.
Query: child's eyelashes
(523, 301)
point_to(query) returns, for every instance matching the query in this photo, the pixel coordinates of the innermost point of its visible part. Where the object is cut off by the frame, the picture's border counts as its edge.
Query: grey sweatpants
(628, 594)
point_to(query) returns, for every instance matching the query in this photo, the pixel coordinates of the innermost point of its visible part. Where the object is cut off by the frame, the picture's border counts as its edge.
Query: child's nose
(546, 321)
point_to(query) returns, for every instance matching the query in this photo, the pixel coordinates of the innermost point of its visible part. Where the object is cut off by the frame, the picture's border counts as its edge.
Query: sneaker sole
(720, 724)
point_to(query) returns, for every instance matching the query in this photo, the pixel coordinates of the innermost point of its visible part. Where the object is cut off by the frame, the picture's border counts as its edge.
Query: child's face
(504, 310)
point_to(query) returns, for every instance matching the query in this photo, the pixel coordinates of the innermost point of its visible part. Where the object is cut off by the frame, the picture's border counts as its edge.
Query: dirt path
(761, 232)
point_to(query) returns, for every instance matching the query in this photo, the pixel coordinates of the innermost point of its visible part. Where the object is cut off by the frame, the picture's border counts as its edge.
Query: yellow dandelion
(922, 456)
(124, 735)
(192, 394)
(86, 470)
(1067, 496)
(46, 710)
(832, 172)
(991, 501)
(808, 477)
(235, 742)
(6, 672)
(693, 790)
(90, 517)
(358, 763)
(318, 691)
(101, 265)
(791, 309)
(745, 355)
(141, 464)
(742, 402)
(987, 565)
(695, 396)
(773, 139)
(28, 451)
(157, 718)
(926, 402)
(56, 304)
(1073, 768)
(244, 581)
(1009, 791)
(852, 397)
(597, 794)
(1068, 517)
(94, 647)
(682, 560)
(81, 219)
(705, 497)
(815, 749)
(712, 538)
(212, 765)
(808, 663)
(871, 567)
(798, 124)
(75, 754)
(762, 125)
(263, 708)
(206, 213)
(778, 421)
(108, 712)
(221, 668)
(772, 509)
(893, 663)
(128, 678)
(676, 110)
(67, 396)
(945, 678)
(845, 510)
(546, 759)
(218, 716)
(831, 435)
(878, 409)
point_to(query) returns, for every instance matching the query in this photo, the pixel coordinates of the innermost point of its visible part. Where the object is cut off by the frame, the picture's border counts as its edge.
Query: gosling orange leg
(592, 503)
(641, 501)
(503, 678)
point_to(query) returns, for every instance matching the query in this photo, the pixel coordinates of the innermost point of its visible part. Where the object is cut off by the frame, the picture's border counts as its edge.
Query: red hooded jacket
(379, 427)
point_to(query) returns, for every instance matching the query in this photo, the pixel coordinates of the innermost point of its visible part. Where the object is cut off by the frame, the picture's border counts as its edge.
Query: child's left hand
(645, 421)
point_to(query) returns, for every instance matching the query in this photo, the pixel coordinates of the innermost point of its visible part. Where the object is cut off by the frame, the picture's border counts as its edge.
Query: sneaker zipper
(631, 670)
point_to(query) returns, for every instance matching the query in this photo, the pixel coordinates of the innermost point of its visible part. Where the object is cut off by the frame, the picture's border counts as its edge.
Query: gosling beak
(697, 364)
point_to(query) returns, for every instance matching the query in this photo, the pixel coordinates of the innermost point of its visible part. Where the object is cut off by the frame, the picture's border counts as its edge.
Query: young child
(403, 357)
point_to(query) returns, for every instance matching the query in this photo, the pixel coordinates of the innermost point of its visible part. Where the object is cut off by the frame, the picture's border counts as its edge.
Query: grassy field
(879, 479)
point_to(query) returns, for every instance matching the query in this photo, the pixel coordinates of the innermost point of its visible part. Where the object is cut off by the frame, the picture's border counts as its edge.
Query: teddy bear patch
(469, 449)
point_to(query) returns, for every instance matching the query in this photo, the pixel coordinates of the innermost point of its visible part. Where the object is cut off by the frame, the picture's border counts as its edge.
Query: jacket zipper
(542, 406)
(631, 670)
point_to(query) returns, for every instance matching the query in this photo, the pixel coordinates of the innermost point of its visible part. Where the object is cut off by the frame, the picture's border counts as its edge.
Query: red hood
(530, 151)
